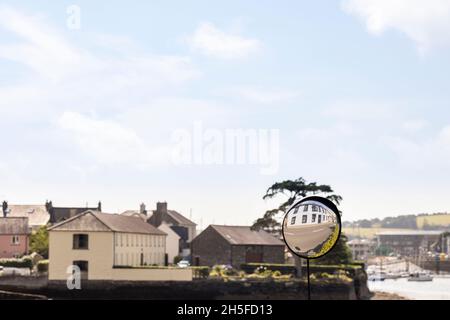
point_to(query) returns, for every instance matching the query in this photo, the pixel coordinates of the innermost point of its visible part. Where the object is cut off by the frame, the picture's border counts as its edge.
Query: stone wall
(210, 248)
(269, 254)
(194, 290)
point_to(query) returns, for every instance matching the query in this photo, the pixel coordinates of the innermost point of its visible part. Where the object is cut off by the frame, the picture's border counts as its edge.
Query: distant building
(309, 213)
(37, 215)
(361, 248)
(408, 243)
(42, 215)
(185, 228)
(104, 246)
(14, 237)
(172, 241)
(235, 245)
(59, 214)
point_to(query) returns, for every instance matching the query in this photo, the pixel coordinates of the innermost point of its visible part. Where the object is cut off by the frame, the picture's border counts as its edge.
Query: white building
(109, 247)
(309, 213)
(172, 241)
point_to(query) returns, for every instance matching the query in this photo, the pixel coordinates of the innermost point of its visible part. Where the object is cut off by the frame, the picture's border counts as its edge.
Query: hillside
(367, 232)
(430, 221)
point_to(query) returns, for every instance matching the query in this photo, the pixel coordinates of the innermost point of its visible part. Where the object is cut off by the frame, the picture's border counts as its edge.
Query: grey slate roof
(113, 222)
(182, 220)
(37, 214)
(134, 213)
(13, 226)
(243, 235)
(60, 213)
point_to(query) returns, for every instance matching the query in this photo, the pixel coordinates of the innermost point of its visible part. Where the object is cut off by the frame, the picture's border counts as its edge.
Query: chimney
(142, 209)
(99, 207)
(5, 208)
(50, 210)
(161, 211)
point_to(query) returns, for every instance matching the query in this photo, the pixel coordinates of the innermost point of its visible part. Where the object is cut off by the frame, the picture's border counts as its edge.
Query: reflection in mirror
(310, 229)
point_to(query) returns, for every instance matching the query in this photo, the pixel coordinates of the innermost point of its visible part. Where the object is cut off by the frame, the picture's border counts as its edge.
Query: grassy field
(367, 232)
(438, 219)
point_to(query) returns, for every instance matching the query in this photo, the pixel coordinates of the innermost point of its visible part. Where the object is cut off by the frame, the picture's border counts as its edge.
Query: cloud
(62, 80)
(211, 41)
(429, 153)
(263, 95)
(414, 125)
(427, 23)
(110, 142)
(356, 110)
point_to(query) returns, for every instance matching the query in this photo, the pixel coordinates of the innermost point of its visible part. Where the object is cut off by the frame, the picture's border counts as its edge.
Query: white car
(183, 264)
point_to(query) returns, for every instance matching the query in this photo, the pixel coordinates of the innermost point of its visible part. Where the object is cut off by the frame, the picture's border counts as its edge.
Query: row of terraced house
(121, 246)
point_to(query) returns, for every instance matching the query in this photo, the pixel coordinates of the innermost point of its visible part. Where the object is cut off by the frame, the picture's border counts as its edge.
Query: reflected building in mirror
(310, 229)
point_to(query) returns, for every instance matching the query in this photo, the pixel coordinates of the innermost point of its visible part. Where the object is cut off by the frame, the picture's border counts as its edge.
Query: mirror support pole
(309, 284)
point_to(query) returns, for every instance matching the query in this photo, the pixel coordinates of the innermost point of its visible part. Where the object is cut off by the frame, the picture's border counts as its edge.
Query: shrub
(177, 259)
(201, 272)
(283, 268)
(17, 263)
(42, 266)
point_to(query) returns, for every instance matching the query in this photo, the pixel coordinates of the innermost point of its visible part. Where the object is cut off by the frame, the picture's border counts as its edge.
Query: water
(438, 289)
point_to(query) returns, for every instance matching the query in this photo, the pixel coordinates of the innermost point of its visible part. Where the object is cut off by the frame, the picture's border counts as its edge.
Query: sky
(96, 99)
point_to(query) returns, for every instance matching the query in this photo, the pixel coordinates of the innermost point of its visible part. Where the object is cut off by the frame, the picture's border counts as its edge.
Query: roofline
(87, 208)
(94, 214)
(112, 231)
(11, 234)
(76, 217)
(242, 244)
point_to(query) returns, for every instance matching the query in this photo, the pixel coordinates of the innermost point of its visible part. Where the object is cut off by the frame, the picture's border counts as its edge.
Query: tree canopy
(39, 241)
(293, 190)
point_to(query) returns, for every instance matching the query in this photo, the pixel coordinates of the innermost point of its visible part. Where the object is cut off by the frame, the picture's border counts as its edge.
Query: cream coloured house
(109, 247)
(172, 241)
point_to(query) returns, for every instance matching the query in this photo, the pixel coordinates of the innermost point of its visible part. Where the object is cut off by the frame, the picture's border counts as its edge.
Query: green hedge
(42, 266)
(250, 268)
(291, 269)
(17, 263)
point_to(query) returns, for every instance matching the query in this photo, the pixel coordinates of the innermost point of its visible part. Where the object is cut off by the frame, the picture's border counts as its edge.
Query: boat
(420, 276)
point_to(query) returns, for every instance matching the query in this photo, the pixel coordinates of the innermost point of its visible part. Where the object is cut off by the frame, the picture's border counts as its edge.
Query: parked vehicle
(377, 277)
(183, 264)
(421, 276)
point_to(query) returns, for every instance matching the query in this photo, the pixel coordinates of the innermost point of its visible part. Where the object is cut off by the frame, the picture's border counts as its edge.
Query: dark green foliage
(39, 242)
(294, 190)
(17, 263)
(340, 254)
(42, 266)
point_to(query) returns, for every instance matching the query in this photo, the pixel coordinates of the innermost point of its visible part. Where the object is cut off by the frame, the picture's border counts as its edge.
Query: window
(296, 210)
(305, 208)
(121, 240)
(293, 220)
(314, 209)
(83, 265)
(313, 218)
(319, 218)
(304, 218)
(15, 240)
(80, 241)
